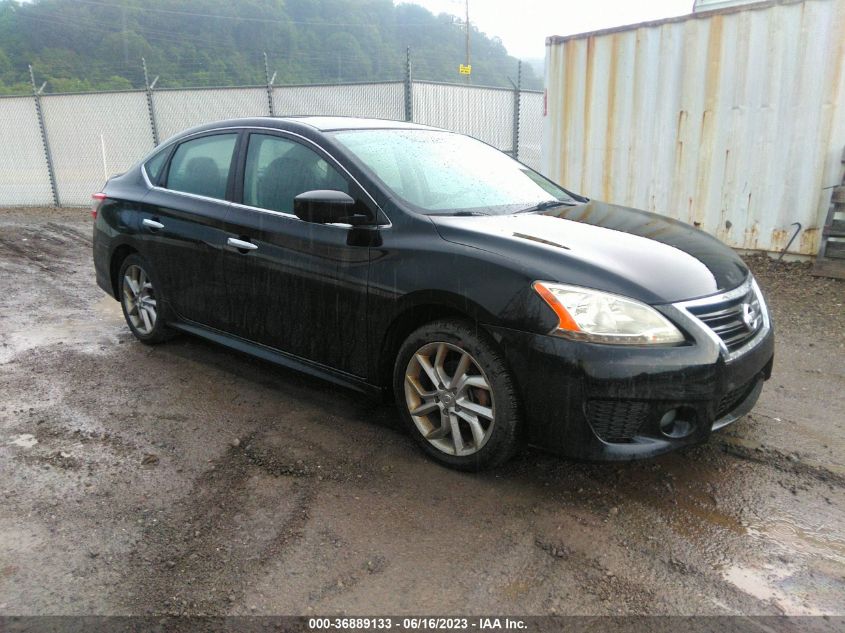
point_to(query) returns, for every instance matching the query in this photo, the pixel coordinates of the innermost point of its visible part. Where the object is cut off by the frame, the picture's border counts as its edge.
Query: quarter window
(154, 166)
(277, 170)
(201, 166)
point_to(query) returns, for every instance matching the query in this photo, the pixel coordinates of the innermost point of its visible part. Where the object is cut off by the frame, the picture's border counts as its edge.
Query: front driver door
(299, 287)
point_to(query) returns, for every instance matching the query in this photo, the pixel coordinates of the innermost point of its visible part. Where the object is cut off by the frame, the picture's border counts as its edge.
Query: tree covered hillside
(78, 45)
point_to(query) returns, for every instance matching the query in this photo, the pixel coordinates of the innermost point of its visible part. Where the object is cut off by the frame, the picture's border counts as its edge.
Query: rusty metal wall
(733, 120)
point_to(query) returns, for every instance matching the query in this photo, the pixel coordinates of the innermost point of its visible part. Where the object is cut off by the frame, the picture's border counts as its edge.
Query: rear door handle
(152, 224)
(241, 245)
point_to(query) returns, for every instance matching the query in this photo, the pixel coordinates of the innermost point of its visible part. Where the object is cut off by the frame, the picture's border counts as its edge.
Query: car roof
(333, 123)
(302, 123)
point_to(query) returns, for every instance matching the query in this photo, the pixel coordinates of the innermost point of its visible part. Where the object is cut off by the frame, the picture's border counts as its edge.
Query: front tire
(140, 299)
(456, 396)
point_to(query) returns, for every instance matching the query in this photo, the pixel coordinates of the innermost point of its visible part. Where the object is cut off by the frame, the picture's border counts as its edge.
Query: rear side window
(154, 166)
(201, 166)
(277, 170)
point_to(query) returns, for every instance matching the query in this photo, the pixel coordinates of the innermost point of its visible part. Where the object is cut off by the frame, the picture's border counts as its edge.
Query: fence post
(409, 87)
(269, 80)
(517, 94)
(36, 94)
(150, 107)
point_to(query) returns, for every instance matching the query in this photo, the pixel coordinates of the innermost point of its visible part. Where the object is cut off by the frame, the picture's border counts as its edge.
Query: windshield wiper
(548, 204)
(461, 213)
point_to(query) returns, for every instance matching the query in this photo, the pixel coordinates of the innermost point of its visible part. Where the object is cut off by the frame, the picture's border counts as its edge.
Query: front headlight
(601, 317)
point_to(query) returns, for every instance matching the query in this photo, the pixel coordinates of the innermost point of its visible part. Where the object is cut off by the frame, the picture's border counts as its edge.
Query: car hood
(608, 247)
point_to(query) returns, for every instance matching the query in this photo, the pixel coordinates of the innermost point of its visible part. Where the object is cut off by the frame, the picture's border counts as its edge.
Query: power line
(199, 60)
(180, 38)
(90, 22)
(219, 16)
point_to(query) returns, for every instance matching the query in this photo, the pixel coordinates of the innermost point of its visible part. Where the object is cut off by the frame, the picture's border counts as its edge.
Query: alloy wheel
(449, 398)
(139, 299)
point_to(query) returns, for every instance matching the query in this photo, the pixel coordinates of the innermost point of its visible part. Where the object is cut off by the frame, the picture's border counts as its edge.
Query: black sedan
(498, 307)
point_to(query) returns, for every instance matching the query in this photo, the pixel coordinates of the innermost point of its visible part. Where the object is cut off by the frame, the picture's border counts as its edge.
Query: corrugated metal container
(733, 120)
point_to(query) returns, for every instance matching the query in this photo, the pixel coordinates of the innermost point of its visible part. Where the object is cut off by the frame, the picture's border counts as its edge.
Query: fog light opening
(675, 425)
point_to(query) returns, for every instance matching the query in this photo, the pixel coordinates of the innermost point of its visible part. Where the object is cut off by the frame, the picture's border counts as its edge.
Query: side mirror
(324, 206)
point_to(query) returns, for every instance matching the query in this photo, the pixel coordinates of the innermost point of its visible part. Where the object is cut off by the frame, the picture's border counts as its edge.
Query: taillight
(98, 200)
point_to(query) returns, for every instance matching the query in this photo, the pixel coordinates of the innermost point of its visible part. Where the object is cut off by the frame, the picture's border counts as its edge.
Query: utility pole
(468, 64)
(466, 68)
(125, 38)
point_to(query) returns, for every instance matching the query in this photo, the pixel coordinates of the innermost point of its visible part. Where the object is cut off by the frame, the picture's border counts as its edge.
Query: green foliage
(77, 45)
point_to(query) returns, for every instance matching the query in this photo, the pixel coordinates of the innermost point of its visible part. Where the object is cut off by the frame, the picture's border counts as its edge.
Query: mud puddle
(187, 479)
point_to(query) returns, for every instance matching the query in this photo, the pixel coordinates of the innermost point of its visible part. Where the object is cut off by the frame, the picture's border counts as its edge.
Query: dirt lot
(189, 479)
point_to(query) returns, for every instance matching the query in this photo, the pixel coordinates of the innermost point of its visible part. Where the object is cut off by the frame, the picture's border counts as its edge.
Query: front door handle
(241, 245)
(152, 224)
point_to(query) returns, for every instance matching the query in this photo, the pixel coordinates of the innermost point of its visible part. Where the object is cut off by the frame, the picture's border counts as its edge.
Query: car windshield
(441, 173)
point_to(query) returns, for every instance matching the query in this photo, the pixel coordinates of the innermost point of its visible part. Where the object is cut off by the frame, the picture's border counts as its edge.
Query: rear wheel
(141, 301)
(456, 396)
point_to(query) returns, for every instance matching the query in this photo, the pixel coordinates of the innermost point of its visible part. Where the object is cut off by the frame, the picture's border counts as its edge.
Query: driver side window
(278, 169)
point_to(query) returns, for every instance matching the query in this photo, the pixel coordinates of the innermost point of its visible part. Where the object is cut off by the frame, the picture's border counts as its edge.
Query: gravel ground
(189, 479)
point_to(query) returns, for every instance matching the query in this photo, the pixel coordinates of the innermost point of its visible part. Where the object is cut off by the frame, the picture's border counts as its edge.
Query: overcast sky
(524, 24)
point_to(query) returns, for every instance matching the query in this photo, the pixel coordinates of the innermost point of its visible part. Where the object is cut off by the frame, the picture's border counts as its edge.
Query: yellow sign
(465, 69)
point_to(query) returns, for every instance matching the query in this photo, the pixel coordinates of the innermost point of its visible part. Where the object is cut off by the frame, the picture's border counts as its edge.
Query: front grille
(736, 321)
(733, 398)
(617, 420)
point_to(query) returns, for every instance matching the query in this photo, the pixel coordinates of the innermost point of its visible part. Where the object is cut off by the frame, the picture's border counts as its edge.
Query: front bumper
(605, 402)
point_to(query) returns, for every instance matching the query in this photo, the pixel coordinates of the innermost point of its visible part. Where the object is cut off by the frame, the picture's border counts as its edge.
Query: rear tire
(456, 397)
(140, 298)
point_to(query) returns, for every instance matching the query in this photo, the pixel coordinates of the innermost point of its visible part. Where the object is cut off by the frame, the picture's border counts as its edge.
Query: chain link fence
(176, 110)
(24, 176)
(92, 136)
(59, 149)
(484, 113)
(377, 100)
(531, 108)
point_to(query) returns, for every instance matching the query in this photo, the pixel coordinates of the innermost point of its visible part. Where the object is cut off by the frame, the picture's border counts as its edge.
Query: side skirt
(277, 357)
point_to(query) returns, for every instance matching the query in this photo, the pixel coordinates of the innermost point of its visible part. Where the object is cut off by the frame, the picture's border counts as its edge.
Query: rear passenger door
(301, 287)
(185, 213)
